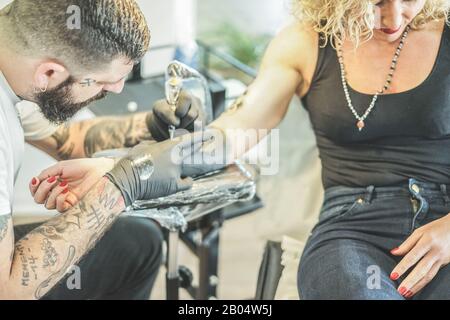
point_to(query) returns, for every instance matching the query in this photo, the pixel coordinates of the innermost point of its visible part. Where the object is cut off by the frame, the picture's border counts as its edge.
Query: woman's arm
(286, 70)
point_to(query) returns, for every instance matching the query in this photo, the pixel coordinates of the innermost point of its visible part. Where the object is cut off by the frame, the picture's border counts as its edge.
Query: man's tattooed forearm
(100, 223)
(4, 225)
(83, 215)
(110, 200)
(55, 277)
(50, 254)
(61, 137)
(97, 218)
(66, 154)
(116, 133)
(28, 263)
(55, 228)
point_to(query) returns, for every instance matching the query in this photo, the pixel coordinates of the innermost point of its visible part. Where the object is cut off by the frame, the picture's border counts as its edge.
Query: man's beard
(57, 104)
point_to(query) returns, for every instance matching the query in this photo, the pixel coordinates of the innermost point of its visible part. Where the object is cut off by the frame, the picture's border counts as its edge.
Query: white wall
(4, 3)
(171, 22)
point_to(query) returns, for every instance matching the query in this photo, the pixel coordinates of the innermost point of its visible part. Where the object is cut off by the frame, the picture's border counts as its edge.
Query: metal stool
(207, 220)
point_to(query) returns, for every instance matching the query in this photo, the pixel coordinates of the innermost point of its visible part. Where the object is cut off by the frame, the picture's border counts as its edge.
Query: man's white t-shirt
(19, 120)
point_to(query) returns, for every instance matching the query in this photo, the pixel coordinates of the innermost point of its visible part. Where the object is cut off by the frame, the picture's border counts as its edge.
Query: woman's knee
(341, 270)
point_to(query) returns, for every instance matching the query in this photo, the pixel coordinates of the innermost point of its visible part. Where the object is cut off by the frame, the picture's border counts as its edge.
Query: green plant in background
(243, 46)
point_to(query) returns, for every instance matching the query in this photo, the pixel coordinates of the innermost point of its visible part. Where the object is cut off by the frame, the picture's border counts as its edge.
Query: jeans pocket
(438, 209)
(339, 211)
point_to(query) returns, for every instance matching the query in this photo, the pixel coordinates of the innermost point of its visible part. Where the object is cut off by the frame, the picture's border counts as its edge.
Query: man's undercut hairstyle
(84, 35)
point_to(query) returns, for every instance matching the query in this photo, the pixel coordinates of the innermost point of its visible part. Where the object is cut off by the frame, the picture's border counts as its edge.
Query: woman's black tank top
(407, 135)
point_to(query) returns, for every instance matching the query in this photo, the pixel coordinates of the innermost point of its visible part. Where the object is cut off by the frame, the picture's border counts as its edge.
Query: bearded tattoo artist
(61, 71)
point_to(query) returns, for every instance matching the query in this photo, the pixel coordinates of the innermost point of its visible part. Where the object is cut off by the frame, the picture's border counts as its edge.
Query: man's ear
(49, 74)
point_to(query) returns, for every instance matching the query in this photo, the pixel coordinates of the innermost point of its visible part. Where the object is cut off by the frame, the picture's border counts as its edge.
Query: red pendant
(360, 125)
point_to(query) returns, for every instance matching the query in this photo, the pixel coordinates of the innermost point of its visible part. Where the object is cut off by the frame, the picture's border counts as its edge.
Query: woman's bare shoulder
(296, 43)
(296, 47)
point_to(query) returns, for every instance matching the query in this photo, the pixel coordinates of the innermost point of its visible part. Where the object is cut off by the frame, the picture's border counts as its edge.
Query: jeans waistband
(413, 188)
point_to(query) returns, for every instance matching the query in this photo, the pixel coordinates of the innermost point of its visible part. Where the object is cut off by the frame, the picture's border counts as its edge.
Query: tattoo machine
(179, 75)
(174, 84)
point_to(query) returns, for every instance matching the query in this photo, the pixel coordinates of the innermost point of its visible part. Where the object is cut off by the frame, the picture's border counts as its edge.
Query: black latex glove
(210, 157)
(152, 170)
(189, 110)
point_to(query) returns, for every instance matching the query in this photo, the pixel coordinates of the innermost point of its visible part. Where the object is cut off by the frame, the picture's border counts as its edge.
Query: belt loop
(445, 194)
(369, 194)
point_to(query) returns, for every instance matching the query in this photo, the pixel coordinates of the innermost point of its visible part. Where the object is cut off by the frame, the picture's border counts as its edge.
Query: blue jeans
(348, 254)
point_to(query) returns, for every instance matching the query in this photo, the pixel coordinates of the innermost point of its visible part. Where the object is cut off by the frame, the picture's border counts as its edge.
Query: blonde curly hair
(340, 20)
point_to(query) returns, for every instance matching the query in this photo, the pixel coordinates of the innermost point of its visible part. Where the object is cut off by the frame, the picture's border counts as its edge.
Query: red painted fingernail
(394, 276)
(402, 290)
(409, 294)
(65, 191)
(63, 184)
(34, 181)
(394, 250)
(51, 180)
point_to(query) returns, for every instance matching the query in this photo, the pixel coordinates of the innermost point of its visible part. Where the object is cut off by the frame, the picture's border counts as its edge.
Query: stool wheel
(186, 277)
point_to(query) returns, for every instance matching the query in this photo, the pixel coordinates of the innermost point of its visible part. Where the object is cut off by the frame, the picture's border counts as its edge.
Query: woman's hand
(428, 249)
(61, 186)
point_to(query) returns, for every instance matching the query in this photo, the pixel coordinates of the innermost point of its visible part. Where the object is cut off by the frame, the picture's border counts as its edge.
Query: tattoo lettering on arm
(116, 133)
(24, 261)
(28, 263)
(50, 254)
(44, 286)
(4, 224)
(97, 219)
(108, 201)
